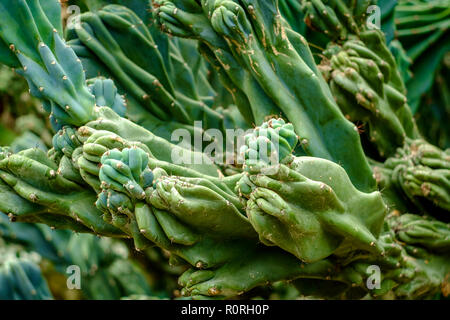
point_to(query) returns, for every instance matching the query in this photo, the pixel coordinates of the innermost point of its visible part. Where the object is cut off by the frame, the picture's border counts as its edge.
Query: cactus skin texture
(408, 271)
(273, 142)
(337, 19)
(161, 149)
(429, 233)
(104, 39)
(106, 95)
(312, 219)
(422, 27)
(103, 262)
(315, 204)
(126, 171)
(46, 195)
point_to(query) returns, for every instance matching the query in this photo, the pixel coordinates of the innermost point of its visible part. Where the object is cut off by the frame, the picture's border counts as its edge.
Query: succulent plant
(314, 200)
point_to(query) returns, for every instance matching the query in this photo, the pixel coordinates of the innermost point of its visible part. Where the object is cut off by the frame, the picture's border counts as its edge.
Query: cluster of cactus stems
(335, 201)
(21, 278)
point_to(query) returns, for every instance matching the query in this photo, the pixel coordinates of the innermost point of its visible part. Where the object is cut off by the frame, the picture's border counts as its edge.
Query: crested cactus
(308, 197)
(310, 229)
(360, 77)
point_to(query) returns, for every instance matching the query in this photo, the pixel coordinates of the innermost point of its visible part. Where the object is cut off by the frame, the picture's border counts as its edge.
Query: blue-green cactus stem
(106, 95)
(126, 171)
(53, 71)
(104, 34)
(66, 141)
(273, 143)
(22, 279)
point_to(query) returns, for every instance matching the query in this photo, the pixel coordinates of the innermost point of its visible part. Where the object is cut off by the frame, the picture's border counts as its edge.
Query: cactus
(420, 173)
(431, 234)
(52, 70)
(21, 277)
(422, 29)
(308, 206)
(271, 60)
(303, 205)
(360, 77)
(143, 74)
(22, 280)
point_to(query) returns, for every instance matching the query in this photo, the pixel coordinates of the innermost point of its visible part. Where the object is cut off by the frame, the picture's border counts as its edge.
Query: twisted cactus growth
(46, 196)
(280, 62)
(273, 143)
(409, 271)
(335, 18)
(309, 206)
(303, 207)
(367, 90)
(422, 27)
(106, 95)
(429, 233)
(420, 173)
(102, 40)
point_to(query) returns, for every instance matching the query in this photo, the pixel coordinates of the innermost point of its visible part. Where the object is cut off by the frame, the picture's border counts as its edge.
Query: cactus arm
(202, 204)
(256, 268)
(417, 176)
(415, 230)
(274, 210)
(48, 65)
(35, 178)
